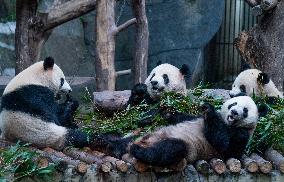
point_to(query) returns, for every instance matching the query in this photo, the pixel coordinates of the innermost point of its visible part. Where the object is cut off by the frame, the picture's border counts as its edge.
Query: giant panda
(163, 78)
(222, 134)
(29, 111)
(254, 81)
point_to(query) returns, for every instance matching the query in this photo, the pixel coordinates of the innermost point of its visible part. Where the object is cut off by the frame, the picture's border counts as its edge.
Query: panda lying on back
(30, 113)
(223, 134)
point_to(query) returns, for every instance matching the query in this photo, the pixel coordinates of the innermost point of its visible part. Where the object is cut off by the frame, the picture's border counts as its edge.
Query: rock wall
(179, 31)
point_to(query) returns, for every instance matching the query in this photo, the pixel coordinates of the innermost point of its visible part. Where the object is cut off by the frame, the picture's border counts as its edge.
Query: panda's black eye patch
(61, 82)
(245, 112)
(243, 88)
(152, 76)
(231, 105)
(166, 79)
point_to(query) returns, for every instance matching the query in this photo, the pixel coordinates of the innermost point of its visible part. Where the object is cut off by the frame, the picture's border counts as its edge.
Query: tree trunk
(142, 40)
(107, 30)
(105, 45)
(33, 28)
(28, 39)
(263, 45)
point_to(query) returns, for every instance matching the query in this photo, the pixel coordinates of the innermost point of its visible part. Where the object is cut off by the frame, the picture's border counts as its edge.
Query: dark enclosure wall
(223, 62)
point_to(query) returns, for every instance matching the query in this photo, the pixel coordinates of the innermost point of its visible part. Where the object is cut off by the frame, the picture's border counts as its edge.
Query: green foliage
(127, 120)
(270, 129)
(19, 160)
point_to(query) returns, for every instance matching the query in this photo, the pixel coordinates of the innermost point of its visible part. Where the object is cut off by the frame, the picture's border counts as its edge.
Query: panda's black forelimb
(77, 138)
(113, 145)
(66, 112)
(239, 138)
(139, 94)
(163, 153)
(215, 130)
(229, 141)
(177, 117)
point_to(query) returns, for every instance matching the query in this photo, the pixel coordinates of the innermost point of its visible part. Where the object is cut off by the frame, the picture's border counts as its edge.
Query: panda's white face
(50, 76)
(246, 83)
(240, 111)
(165, 78)
(253, 81)
(58, 80)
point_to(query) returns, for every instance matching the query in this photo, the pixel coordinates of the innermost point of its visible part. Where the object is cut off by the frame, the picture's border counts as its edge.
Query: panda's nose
(231, 95)
(234, 112)
(154, 83)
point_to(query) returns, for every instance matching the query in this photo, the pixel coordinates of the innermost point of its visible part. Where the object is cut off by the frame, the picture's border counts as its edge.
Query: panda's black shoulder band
(263, 78)
(48, 63)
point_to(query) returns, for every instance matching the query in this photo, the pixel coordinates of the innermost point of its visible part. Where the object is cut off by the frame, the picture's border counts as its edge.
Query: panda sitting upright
(253, 81)
(29, 111)
(216, 134)
(163, 78)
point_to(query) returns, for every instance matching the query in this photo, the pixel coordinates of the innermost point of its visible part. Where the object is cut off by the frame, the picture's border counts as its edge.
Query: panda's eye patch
(243, 88)
(152, 76)
(245, 112)
(61, 82)
(166, 79)
(231, 105)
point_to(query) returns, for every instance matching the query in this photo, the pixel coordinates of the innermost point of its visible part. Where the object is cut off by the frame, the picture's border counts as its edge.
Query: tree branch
(123, 72)
(68, 11)
(124, 26)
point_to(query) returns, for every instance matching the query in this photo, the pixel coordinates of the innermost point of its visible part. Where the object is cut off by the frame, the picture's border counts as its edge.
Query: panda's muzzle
(155, 86)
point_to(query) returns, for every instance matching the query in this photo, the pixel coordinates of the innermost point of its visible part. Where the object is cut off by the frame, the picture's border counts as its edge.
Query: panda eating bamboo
(29, 111)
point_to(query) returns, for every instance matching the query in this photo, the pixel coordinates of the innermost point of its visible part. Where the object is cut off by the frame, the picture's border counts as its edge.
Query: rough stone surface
(179, 30)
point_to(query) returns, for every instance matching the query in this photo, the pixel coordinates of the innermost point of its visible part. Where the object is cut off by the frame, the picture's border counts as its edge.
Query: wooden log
(47, 156)
(106, 167)
(234, 165)
(121, 166)
(111, 100)
(42, 162)
(82, 168)
(276, 158)
(202, 166)
(264, 165)
(249, 164)
(218, 165)
(100, 158)
(82, 156)
(140, 166)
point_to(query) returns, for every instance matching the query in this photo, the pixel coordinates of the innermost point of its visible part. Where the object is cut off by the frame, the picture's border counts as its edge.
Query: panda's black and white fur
(254, 81)
(163, 78)
(30, 113)
(215, 134)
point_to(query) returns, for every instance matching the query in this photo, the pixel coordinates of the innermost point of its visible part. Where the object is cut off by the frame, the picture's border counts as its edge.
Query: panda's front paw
(206, 108)
(74, 105)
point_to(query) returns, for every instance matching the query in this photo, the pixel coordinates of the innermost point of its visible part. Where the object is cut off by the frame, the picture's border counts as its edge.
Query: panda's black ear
(48, 63)
(184, 69)
(263, 78)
